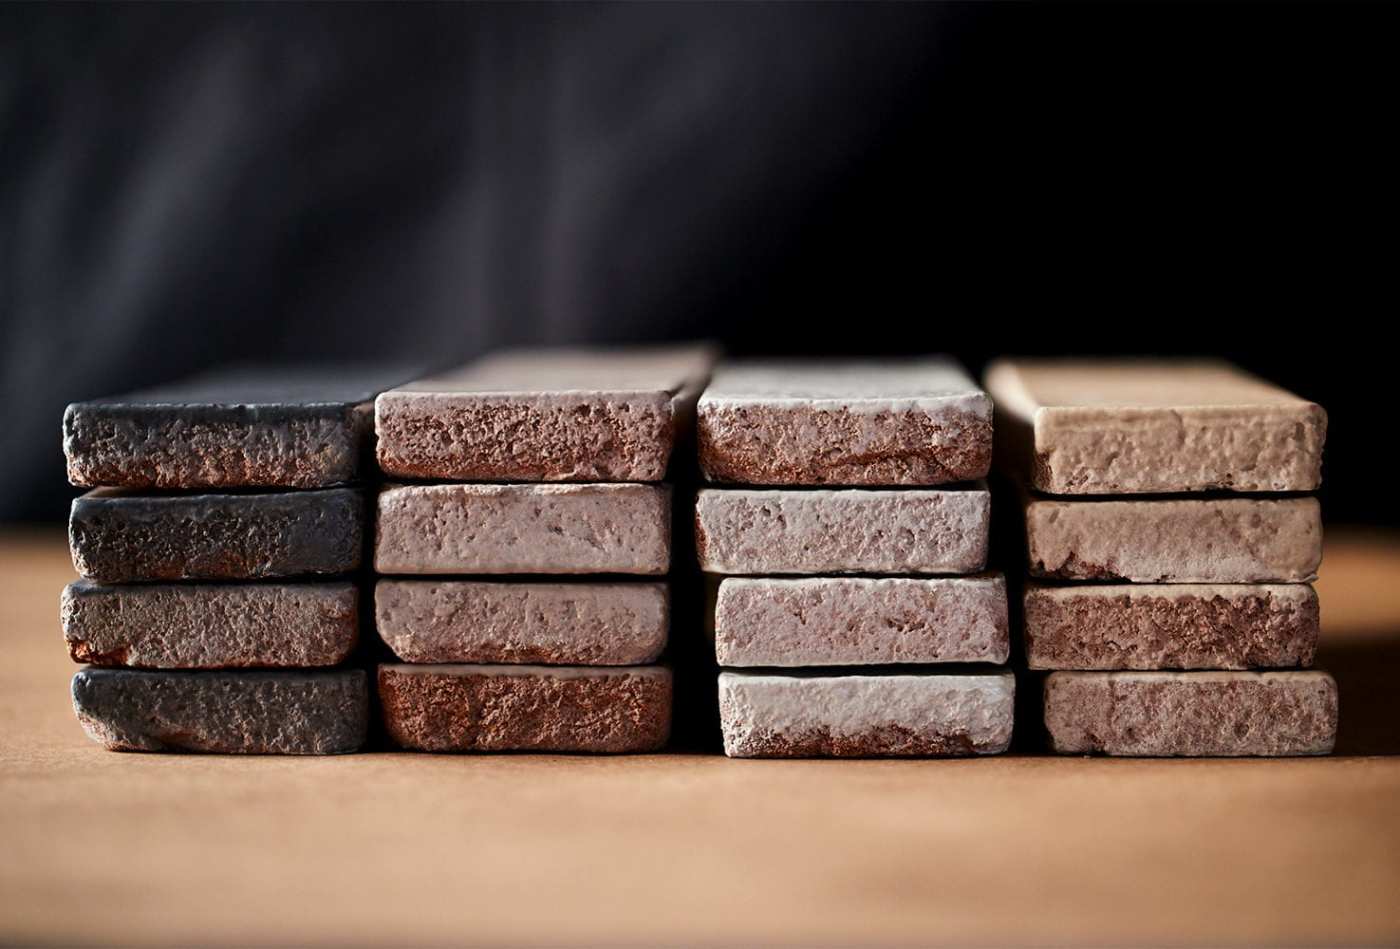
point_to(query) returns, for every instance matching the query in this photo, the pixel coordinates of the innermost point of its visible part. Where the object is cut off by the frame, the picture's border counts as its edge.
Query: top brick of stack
(1152, 427)
(913, 422)
(233, 428)
(545, 415)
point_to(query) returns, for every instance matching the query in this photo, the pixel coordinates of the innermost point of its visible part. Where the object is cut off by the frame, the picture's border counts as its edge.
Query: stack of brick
(1171, 544)
(547, 468)
(852, 614)
(219, 604)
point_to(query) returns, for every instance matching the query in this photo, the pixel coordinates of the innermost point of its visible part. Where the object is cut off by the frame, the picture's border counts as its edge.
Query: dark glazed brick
(121, 537)
(245, 427)
(250, 713)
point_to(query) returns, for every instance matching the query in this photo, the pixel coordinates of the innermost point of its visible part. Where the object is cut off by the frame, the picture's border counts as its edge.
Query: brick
(858, 716)
(916, 422)
(117, 536)
(1171, 626)
(526, 708)
(253, 713)
(1215, 540)
(210, 626)
(524, 528)
(1157, 714)
(1143, 427)
(236, 428)
(545, 415)
(777, 531)
(592, 624)
(833, 621)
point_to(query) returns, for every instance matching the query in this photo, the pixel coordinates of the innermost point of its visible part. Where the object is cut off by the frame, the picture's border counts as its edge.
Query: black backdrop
(182, 185)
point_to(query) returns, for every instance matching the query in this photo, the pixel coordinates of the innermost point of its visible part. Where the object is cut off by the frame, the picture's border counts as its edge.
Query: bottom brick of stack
(256, 713)
(865, 714)
(239, 668)
(524, 665)
(1206, 714)
(526, 708)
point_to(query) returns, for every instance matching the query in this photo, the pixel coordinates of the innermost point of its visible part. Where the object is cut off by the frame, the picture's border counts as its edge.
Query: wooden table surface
(120, 848)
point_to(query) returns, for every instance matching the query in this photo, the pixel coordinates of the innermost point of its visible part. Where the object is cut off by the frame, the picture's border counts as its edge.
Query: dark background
(185, 185)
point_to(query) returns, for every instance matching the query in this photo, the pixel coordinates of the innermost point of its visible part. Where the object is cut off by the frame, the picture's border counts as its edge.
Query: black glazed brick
(121, 537)
(236, 428)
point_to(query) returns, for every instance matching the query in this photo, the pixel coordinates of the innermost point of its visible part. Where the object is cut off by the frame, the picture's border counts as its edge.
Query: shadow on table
(1365, 671)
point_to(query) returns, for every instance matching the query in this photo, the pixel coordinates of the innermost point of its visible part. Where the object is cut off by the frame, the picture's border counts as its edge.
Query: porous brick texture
(865, 715)
(1171, 626)
(785, 531)
(120, 537)
(239, 428)
(526, 708)
(579, 623)
(252, 713)
(1206, 540)
(545, 415)
(524, 528)
(915, 422)
(1143, 427)
(834, 621)
(209, 625)
(1191, 713)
